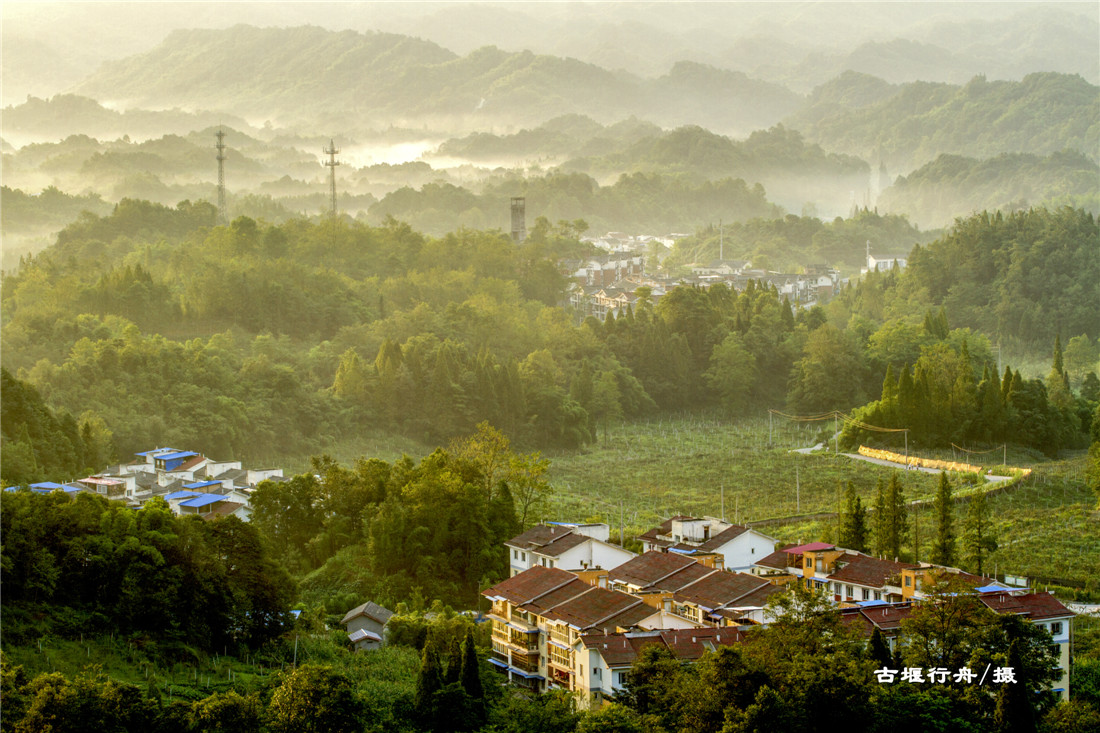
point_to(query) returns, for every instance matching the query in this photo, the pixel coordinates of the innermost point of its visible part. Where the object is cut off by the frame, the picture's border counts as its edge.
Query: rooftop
(867, 571)
(656, 570)
(371, 610)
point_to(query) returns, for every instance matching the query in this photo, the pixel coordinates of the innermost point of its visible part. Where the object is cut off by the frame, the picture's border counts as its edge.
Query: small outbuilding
(365, 625)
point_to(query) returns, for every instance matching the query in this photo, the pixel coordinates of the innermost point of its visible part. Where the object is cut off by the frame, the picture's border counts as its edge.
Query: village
(189, 482)
(611, 284)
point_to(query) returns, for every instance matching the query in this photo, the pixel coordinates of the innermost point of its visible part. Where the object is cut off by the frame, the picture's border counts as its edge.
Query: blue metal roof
(202, 500)
(181, 495)
(157, 450)
(174, 456)
(202, 484)
(47, 485)
(994, 588)
(867, 604)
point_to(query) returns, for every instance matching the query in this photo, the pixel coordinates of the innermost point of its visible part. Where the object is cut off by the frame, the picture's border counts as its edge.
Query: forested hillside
(906, 126)
(933, 195)
(264, 341)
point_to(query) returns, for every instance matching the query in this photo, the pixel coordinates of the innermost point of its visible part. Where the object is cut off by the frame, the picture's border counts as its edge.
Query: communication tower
(331, 152)
(220, 134)
(519, 219)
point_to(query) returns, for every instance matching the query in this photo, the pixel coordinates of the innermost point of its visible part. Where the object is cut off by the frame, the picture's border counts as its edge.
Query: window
(850, 593)
(515, 554)
(809, 562)
(866, 594)
(908, 581)
(878, 595)
(1056, 628)
(836, 588)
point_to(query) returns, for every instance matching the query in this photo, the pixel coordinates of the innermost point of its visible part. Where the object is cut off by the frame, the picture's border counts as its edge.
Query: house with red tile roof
(738, 545)
(565, 546)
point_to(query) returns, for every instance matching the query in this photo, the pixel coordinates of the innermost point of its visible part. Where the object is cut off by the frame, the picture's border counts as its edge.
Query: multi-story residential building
(539, 614)
(740, 546)
(566, 546)
(602, 662)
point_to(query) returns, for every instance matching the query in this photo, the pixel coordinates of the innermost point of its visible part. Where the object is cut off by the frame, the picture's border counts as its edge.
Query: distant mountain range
(354, 81)
(350, 82)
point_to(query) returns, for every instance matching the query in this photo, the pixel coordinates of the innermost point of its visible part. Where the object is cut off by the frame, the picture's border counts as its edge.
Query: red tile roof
(887, 618)
(720, 588)
(530, 584)
(654, 536)
(222, 509)
(1036, 606)
(539, 535)
(561, 544)
(657, 570)
(777, 560)
(620, 650)
(600, 608)
(187, 466)
(867, 571)
(717, 541)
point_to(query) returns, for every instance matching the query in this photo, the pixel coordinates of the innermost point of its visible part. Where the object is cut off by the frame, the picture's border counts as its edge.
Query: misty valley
(508, 367)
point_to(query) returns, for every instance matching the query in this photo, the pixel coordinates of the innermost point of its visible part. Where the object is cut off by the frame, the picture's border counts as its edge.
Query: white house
(565, 546)
(739, 545)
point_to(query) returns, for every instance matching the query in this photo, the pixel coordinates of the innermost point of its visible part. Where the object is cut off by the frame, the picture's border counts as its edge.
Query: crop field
(1048, 527)
(657, 468)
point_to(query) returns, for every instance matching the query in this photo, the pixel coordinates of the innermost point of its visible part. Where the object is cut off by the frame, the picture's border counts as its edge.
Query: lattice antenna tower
(220, 134)
(331, 152)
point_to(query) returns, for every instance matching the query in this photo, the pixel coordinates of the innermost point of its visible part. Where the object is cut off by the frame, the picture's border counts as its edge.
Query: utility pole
(220, 134)
(331, 164)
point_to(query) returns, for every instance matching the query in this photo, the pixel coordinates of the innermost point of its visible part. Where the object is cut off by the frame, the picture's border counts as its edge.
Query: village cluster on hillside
(609, 284)
(577, 610)
(190, 482)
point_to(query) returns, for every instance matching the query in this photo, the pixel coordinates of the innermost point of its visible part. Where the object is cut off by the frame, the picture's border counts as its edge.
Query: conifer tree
(978, 538)
(470, 678)
(881, 520)
(943, 547)
(896, 522)
(428, 682)
(853, 529)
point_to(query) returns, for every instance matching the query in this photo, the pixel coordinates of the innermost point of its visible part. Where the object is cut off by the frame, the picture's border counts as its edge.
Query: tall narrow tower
(331, 152)
(220, 134)
(519, 219)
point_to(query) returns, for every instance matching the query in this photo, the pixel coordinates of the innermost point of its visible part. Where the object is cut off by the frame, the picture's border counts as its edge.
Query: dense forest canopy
(153, 326)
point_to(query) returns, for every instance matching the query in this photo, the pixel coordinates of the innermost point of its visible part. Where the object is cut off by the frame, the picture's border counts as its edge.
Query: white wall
(745, 549)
